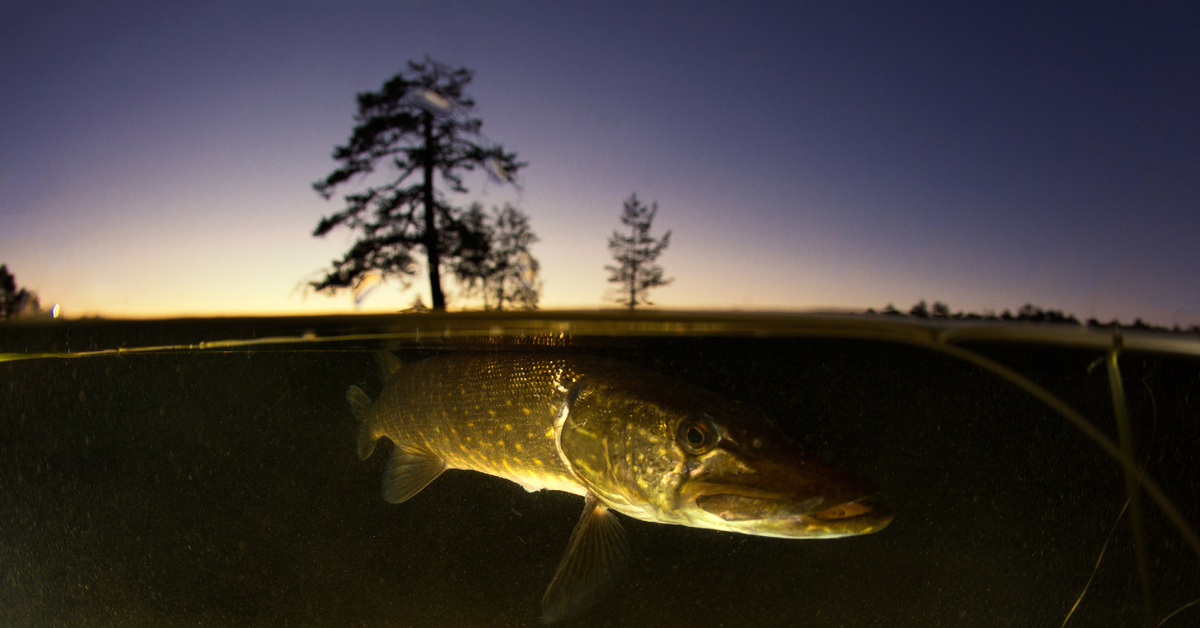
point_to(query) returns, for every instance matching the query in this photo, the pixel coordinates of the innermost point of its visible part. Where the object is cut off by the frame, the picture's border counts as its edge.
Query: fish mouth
(845, 511)
(857, 517)
(784, 493)
(789, 517)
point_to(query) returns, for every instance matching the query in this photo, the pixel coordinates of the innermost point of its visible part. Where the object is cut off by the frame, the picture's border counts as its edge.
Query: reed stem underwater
(1136, 517)
(1123, 454)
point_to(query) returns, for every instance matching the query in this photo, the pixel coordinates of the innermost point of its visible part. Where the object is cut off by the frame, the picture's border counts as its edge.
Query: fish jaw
(781, 492)
(846, 519)
(778, 490)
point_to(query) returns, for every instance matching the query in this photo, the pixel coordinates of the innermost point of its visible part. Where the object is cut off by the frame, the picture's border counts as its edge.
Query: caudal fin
(360, 405)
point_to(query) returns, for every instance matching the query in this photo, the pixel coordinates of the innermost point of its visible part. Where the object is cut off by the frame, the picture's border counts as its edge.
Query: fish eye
(697, 434)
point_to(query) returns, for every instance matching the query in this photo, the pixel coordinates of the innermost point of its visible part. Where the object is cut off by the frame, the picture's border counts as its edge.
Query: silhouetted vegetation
(417, 123)
(15, 301)
(500, 267)
(636, 269)
(1027, 313)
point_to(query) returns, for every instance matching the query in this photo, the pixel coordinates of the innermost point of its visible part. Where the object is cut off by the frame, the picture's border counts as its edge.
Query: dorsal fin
(388, 364)
(596, 555)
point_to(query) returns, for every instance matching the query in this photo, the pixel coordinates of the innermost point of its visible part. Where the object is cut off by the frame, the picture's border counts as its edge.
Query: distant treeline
(1028, 312)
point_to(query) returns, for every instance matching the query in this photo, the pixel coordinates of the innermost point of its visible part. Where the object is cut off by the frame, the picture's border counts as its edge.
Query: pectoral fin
(360, 405)
(388, 364)
(596, 555)
(408, 471)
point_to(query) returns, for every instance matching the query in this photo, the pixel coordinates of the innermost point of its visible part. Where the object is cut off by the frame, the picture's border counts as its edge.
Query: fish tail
(360, 405)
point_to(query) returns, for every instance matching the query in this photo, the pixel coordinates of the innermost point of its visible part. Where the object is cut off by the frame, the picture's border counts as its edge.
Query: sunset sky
(156, 158)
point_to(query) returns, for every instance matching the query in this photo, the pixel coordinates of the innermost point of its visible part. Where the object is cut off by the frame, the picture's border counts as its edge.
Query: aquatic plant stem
(1179, 610)
(1096, 568)
(1137, 520)
(1075, 418)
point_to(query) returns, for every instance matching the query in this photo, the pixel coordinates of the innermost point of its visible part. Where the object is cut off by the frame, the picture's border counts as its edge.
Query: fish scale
(489, 413)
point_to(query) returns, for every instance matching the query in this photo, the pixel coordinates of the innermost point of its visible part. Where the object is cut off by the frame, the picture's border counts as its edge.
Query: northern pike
(627, 439)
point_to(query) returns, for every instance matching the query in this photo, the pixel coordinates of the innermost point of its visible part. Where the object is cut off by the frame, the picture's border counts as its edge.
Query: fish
(627, 439)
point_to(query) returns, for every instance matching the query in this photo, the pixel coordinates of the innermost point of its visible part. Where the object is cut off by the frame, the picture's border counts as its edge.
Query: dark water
(218, 485)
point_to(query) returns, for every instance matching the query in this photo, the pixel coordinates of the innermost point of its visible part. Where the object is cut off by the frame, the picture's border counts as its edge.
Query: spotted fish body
(627, 439)
(493, 413)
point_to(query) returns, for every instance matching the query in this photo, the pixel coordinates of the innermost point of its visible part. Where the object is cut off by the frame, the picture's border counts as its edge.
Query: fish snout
(812, 517)
(797, 496)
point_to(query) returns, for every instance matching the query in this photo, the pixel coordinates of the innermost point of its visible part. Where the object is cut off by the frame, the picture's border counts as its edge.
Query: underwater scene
(816, 470)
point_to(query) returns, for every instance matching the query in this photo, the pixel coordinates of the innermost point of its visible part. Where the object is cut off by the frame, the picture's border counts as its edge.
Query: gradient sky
(156, 158)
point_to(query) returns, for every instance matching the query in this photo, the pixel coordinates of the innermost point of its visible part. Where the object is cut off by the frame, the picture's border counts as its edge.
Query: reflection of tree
(417, 123)
(497, 264)
(15, 302)
(636, 271)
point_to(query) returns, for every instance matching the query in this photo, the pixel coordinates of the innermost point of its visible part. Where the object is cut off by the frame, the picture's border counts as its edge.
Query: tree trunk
(633, 268)
(431, 235)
